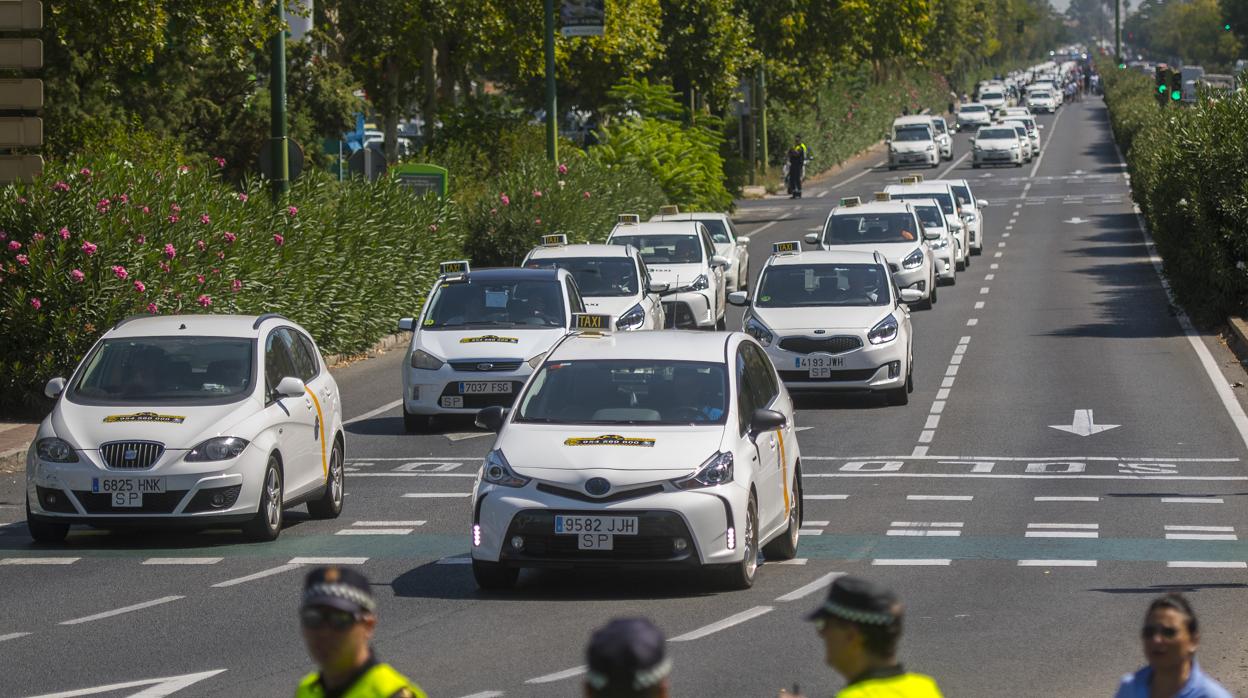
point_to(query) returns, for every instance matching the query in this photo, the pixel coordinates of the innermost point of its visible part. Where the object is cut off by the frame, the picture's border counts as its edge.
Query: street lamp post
(277, 107)
(552, 131)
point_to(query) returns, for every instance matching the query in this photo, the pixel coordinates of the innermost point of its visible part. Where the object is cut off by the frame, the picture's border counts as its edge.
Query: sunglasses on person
(1168, 633)
(314, 618)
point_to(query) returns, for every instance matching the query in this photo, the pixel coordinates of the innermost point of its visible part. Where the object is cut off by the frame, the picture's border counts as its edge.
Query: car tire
(417, 423)
(910, 375)
(721, 324)
(266, 525)
(743, 280)
(43, 531)
(934, 297)
(784, 546)
(740, 576)
(329, 505)
(898, 397)
(493, 576)
(974, 165)
(891, 168)
(951, 281)
(1018, 164)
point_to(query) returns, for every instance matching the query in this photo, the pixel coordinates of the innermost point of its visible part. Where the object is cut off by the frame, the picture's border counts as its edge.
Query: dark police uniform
(626, 656)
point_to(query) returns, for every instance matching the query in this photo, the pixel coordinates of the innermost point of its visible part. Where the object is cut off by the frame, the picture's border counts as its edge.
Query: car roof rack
(267, 316)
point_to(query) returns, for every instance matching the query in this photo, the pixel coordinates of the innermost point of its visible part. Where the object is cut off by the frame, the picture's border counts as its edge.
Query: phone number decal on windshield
(609, 440)
(144, 417)
(489, 338)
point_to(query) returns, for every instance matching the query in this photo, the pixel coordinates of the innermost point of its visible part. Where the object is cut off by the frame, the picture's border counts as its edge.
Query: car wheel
(953, 280)
(741, 575)
(784, 547)
(329, 506)
(721, 324)
(891, 168)
(42, 531)
(974, 165)
(743, 280)
(492, 576)
(1018, 164)
(934, 297)
(417, 423)
(267, 523)
(897, 396)
(910, 375)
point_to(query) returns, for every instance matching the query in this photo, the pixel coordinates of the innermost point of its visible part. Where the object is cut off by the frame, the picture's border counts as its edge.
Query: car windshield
(963, 193)
(996, 133)
(941, 126)
(866, 228)
(913, 133)
(991, 95)
(941, 197)
(475, 304)
(1039, 95)
(974, 108)
(792, 286)
(717, 229)
(664, 249)
(622, 392)
(167, 371)
(595, 276)
(931, 216)
(1021, 130)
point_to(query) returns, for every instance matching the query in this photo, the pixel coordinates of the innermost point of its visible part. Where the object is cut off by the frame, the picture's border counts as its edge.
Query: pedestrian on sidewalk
(860, 624)
(1171, 635)
(627, 658)
(338, 615)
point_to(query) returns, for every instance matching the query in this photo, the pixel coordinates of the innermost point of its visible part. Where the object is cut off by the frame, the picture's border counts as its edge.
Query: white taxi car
(480, 336)
(913, 142)
(641, 450)
(1040, 98)
(1024, 137)
(682, 255)
(612, 280)
(996, 145)
(972, 115)
(942, 241)
(728, 244)
(971, 209)
(915, 188)
(833, 321)
(944, 139)
(198, 420)
(891, 228)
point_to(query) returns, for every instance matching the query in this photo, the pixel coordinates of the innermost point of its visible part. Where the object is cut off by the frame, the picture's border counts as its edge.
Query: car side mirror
(910, 295)
(888, 141)
(812, 238)
(721, 262)
(765, 420)
(1039, 125)
(54, 388)
(743, 240)
(290, 387)
(407, 324)
(491, 418)
(653, 287)
(981, 203)
(931, 234)
(740, 298)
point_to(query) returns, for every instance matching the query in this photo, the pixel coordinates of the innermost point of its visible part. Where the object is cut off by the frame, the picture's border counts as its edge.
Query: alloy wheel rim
(751, 549)
(274, 492)
(335, 482)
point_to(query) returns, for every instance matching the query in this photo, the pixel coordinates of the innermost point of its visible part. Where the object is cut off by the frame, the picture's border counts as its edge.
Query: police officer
(627, 658)
(797, 164)
(338, 616)
(860, 624)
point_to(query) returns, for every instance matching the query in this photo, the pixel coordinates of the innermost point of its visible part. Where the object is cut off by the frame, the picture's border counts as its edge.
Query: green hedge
(1189, 175)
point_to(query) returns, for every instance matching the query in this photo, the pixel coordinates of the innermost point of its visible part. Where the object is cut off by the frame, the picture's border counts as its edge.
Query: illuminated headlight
(220, 448)
(497, 471)
(913, 260)
(536, 361)
(885, 331)
(425, 360)
(716, 470)
(700, 284)
(632, 319)
(938, 244)
(56, 450)
(759, 331)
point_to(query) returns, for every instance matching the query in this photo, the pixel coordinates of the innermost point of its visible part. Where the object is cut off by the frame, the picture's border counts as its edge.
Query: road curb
(381, 346)
(1239, 330)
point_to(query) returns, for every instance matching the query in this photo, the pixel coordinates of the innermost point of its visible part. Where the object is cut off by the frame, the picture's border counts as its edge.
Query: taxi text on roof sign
(669, 210)
(628, 218)
(789, 247)
(489, 338)
(457, 267)
(556, 240)
(144, 417)
(591, 322)
(850, 201)
(883, 196)
(912, 179)
(609, 440)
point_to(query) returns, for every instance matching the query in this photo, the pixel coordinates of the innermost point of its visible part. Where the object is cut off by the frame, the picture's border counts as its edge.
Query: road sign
(423, 178)
(582, 17)
(294, 154)
(21, 15)
(21, 54)
(21, 132)
(20, 168)
(367, 161)
(21, 94)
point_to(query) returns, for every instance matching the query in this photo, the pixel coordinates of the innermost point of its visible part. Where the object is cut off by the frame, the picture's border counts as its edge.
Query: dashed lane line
(373, 413)
(182, 560)
(869, 170)
(39, 560)
(954, 164)
(1057, 563)
(912, 562)
(1053, 130)
(12, 636)
(120, 611)
(374, 532)
(808, 589)
(485, 694)
(1192, 500)
(436, 495)
(939, 497)
(256, 575)
(1067, 499)
(825, 496)
(389, 523)
(1207, 564)
(327, 561)
(720, 625)
(558, 675)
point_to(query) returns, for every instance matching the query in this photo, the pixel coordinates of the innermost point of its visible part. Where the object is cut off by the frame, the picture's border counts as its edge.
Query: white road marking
(1215, 529)
(938, 406)
(1083, 424)
(1064, 525)
(412, 458)
(933, 421)
(996, 255)
(808, 589)
(824, 496)
(940, 497)
(794, 561)
(373, 413)
(923, 533)
(942, 394)
(972, 322)
(983, 290)
(960, 349)
(919, 451)
(182, 560)
(860, 174)
(457, 560)
(255, 575)
(951, 371)
(464, 435)
(816, 523)
(559, 675)
(1201, 536)
(979, 305)
(1000, 244)
(155, 688)
(810, 531)
(989, 277)
(934, 562)
(1192, 500)
(1025, 459)
(327, 561)
(934, 524)
(1209, 564)
(1061, 534)
(964, 339)
(1045, 150)
(1067, 499)
(957, 359)
(947, 382)
(124, 609)
(374, 532)
(12, 636)
(436, 495)
(762, 228)
(724, 624)
(485, 694)
(823, 193)
(1057, 563)
(389, 523)
(926, 436)
(994, 265)
(1038, 476)
(39, 560)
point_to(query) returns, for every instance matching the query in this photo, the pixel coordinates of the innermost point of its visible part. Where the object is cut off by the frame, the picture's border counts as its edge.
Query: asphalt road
(1025, 554)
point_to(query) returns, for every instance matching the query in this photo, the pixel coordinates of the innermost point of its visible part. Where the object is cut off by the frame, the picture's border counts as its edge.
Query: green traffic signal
(1227, 27)
(1161, 89)
(1176, 95)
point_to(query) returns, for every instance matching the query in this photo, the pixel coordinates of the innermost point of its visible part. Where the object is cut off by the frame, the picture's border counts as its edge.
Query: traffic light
(1175, 85)
(1226, 27)
(1160, 78)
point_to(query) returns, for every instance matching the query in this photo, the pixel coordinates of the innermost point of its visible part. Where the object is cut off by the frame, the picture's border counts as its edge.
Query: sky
(1060, 5)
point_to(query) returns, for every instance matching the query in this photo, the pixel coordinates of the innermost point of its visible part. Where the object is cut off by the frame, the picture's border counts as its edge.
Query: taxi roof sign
(591, 323)
(883, 196)
(459, 266)
(912, 179)
(669, 210)
(850, 201)
(628, 218)
(556, 240)
(787, 247)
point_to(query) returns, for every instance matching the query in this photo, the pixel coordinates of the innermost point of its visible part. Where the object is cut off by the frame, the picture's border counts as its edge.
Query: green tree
(708, 48)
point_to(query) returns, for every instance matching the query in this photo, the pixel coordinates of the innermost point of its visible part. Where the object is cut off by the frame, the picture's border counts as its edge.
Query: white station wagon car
(613, 280)
(641, 450)
(728, 244)
(199, 420)
(997, 145)
(682, 255)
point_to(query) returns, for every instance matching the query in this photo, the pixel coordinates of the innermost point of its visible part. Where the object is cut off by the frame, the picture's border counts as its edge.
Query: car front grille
(153, 502)
(131, 455)
(860, 374)
(678, 316)
(829, 345)
(486, 365)
(654, 542)
(613, 497)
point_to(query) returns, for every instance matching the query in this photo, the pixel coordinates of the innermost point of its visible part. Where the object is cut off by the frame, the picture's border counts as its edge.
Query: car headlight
(970, 216)
(884, 331)
(1014, 146)
(56, 450)
(632, 319)
(913, 260)
(700, 284)
(219, 448)
(536, 361)
(425, 360)
(938, 244)
(716, 470)
(759, 331)
(931, 147)
(497, 471)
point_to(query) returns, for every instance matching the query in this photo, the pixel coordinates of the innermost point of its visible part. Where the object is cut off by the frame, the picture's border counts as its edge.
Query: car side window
(745, 391)
(304, 354)
(708, 247)
(762, 381)
(278, 363)
(574, 297)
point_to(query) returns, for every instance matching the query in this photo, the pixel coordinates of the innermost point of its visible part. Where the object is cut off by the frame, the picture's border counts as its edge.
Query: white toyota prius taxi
(641, 450)
(480, 336)
(682, 255)
(612, 279)
(202, 420)
(833, 321)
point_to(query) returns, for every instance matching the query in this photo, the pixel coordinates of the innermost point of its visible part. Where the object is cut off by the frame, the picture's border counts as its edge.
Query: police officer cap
(338, 587)
(860, 601)
(627, 653)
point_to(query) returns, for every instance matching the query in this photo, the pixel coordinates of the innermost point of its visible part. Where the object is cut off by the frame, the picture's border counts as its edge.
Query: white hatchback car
(996, 145)
(971, 209)
(682, 255)
(833, 321)
(915, 188)
(972, 115)
(641, 450)
(197, 420)
(728, 244)
(612, 280)
(942, 241)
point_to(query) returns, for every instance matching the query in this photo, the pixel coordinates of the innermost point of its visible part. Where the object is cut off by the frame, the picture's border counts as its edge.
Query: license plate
(579, 524)
(820, 373)
(813, 362)
(484, 388)
(595, 541)
(127, 492)
(452, 402)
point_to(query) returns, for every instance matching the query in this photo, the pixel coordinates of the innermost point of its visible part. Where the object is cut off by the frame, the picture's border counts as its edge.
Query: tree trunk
(391, 114)
(429, 85)
(446, 77)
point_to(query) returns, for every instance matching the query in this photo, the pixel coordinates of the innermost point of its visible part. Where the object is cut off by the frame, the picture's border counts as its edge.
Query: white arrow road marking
(155, 688)
(1077, 172)
(1077, 220)
(802, 428)
(1083, 425)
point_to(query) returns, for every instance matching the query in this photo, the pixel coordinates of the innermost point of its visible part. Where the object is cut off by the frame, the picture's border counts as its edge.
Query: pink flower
(505, 199)
(36, 303)
(537, 221)
(173, 219)
(220, 255)
(60, 186)
(77, 276)
(201, 245)
(140, 239)
(493, 212)
(102, 206)
(563, 169)
(204, 300)
(175, 208)
(183, 169)
(139, 287)
(219, 160)
(88, 248)
(236, 285)
(164, 267)
(586, 195)
(14, 245)
(151, 308)
(229, 237)
(537, 193)
(23, 260)
(199, 278)
(216, 270)
(146, 210)
(84, 172)
(21, 200)
(433, 227)
(37, 237)
(203, 218)
(4, 235)
(278, 239)
(64, 233)
(120, 272)
(291, 211)
(170, 250)
(123, 199)
(242, 197)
